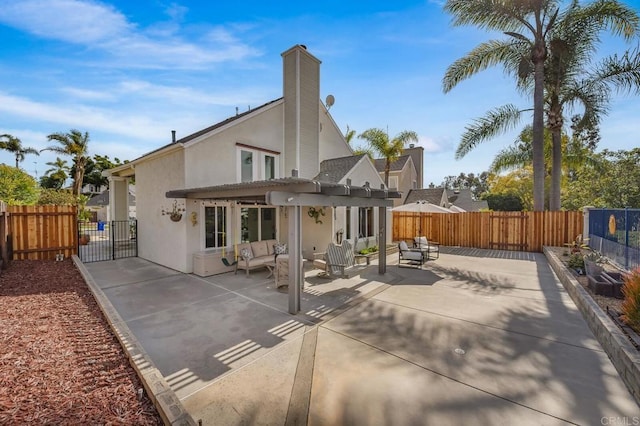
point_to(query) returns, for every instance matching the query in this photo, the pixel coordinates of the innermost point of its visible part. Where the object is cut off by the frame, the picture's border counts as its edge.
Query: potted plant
(593, 263)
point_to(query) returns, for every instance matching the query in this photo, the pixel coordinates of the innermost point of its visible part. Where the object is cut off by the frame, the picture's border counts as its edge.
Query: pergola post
(382, 240)
(296, 277)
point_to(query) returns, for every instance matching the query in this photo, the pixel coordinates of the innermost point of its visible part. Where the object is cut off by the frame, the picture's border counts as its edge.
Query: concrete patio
(477, 336)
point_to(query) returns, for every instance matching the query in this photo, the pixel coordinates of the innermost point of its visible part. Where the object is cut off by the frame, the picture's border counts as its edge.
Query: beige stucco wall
(332, 142)
(316, 236)
(213, 160)
(159, 239)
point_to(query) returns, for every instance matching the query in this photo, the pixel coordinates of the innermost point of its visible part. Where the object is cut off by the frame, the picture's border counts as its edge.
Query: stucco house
(228, 182)
(98, 205)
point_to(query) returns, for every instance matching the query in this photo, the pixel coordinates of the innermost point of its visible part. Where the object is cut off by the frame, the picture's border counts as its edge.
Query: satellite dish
(330, 101)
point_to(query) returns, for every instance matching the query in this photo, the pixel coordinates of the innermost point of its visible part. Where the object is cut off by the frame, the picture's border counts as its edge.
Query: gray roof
(335, 169)
(432, 195)
(102, 199)
(464, 199)
(393, 167)
(210, 128)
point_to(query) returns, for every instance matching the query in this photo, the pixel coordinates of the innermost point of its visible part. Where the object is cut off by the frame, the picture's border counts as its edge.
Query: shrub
(576, 261)
(631, 303)
(368, 250)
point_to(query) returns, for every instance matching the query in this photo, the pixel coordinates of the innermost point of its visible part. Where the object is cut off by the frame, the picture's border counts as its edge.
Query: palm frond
(495, 122)
(486, 55)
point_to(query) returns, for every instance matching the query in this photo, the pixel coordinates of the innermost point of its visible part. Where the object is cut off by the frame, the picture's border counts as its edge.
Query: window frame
(259, 157)
(203, 214)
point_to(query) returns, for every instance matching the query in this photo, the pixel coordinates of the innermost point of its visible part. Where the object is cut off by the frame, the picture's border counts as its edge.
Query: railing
(100, 241)
(615, 233)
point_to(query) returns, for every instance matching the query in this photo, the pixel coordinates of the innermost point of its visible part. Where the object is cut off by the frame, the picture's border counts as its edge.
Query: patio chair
(412, 256)
(430, 247)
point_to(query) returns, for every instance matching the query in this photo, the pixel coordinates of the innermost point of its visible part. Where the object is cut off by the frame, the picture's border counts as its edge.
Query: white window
(215, 226)
(393, 182)
(365, 222)
(247, 166)
(258, 224)
(254, 164)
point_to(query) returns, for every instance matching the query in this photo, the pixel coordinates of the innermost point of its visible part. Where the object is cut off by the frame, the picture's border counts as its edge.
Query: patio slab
(234, 356)
(142, 298)
(127, 271)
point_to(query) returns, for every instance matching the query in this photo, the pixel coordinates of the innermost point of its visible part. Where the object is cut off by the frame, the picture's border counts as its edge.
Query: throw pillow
(246, 254)
(280, 249)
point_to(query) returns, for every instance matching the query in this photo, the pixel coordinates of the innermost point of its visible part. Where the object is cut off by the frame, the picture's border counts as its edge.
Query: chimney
(173, 136)
(301, 90)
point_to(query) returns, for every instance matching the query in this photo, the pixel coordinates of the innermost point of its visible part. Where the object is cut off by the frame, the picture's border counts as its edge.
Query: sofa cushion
(270, 244)
(239, 248)
(259, 248)
(280, 249)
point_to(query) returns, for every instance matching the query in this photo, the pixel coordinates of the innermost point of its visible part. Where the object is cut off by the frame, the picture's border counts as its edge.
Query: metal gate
(99, 241)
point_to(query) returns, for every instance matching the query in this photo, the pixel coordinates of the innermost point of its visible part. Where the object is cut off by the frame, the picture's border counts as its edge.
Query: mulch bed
(59, 361)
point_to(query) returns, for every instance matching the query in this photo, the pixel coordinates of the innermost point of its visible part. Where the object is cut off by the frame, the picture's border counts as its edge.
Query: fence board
(41, 232)
(519, 231)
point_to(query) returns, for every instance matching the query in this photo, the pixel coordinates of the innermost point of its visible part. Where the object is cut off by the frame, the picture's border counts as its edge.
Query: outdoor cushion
(259, 248)
(270, 244)
(403, 246)
(279, 249)
(246, 254)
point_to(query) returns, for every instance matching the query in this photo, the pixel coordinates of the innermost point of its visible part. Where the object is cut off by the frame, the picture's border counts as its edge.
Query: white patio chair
(424, 244)
(412, 256)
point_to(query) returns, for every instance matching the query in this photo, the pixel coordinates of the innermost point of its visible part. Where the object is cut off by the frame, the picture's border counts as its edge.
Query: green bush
(369, 250)
(576, 261)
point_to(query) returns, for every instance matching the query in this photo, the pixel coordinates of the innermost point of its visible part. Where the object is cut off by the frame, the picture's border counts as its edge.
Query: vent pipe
(173, 136)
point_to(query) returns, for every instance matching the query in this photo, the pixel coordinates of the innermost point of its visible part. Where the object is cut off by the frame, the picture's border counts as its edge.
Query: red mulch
(59, 361)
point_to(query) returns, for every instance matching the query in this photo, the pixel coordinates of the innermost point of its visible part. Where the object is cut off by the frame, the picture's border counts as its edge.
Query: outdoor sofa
(256, 255)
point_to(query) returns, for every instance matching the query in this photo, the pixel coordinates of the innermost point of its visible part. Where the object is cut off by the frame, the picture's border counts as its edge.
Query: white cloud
(99, 26)
(74, 21)
(93, 95)
(432, 146)
(82, 117)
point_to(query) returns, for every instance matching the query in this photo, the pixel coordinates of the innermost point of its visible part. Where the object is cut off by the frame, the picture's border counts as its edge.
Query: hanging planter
(175, 214)
(315, 214)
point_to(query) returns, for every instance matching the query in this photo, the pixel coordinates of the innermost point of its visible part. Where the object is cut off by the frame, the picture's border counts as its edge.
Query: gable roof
(198, 133)
(393, 167)
(464, 199)
(102, 199)
(224, 122)
(432, 195)
(335, 169)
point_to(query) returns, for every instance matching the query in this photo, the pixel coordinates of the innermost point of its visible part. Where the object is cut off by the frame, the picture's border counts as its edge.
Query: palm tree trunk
(556, 169)
(538, 57)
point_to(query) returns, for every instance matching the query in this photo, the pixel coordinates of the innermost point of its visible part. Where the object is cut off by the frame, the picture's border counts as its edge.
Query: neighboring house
(463, 199)
(417, 156)
(91, 190)
(437, 196)
(443, 197)
(289, 144)
(99, 205)
(402, 175)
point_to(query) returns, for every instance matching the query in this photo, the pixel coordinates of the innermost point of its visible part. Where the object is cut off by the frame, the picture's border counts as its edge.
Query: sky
(129, 72)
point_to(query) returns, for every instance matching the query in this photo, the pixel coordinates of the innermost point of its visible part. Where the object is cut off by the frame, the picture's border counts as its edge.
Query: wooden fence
(41, 232)
(4, 236)
(520, 231)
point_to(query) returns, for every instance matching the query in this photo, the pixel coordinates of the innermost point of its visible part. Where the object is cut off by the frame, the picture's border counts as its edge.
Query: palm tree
(14, 145)
(527, 59)
(515, 18)
(349, 135)
(58, 171)
(390, 150)
(572, 43)
(74, 144)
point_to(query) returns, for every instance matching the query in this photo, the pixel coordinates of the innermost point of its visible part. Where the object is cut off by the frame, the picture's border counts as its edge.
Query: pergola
(295, 193)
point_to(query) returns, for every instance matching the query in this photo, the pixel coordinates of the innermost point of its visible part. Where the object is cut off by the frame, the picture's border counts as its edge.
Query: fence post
(4, 232)
(626, 238)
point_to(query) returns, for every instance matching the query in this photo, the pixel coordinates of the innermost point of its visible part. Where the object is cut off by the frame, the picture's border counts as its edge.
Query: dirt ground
(59, 361)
